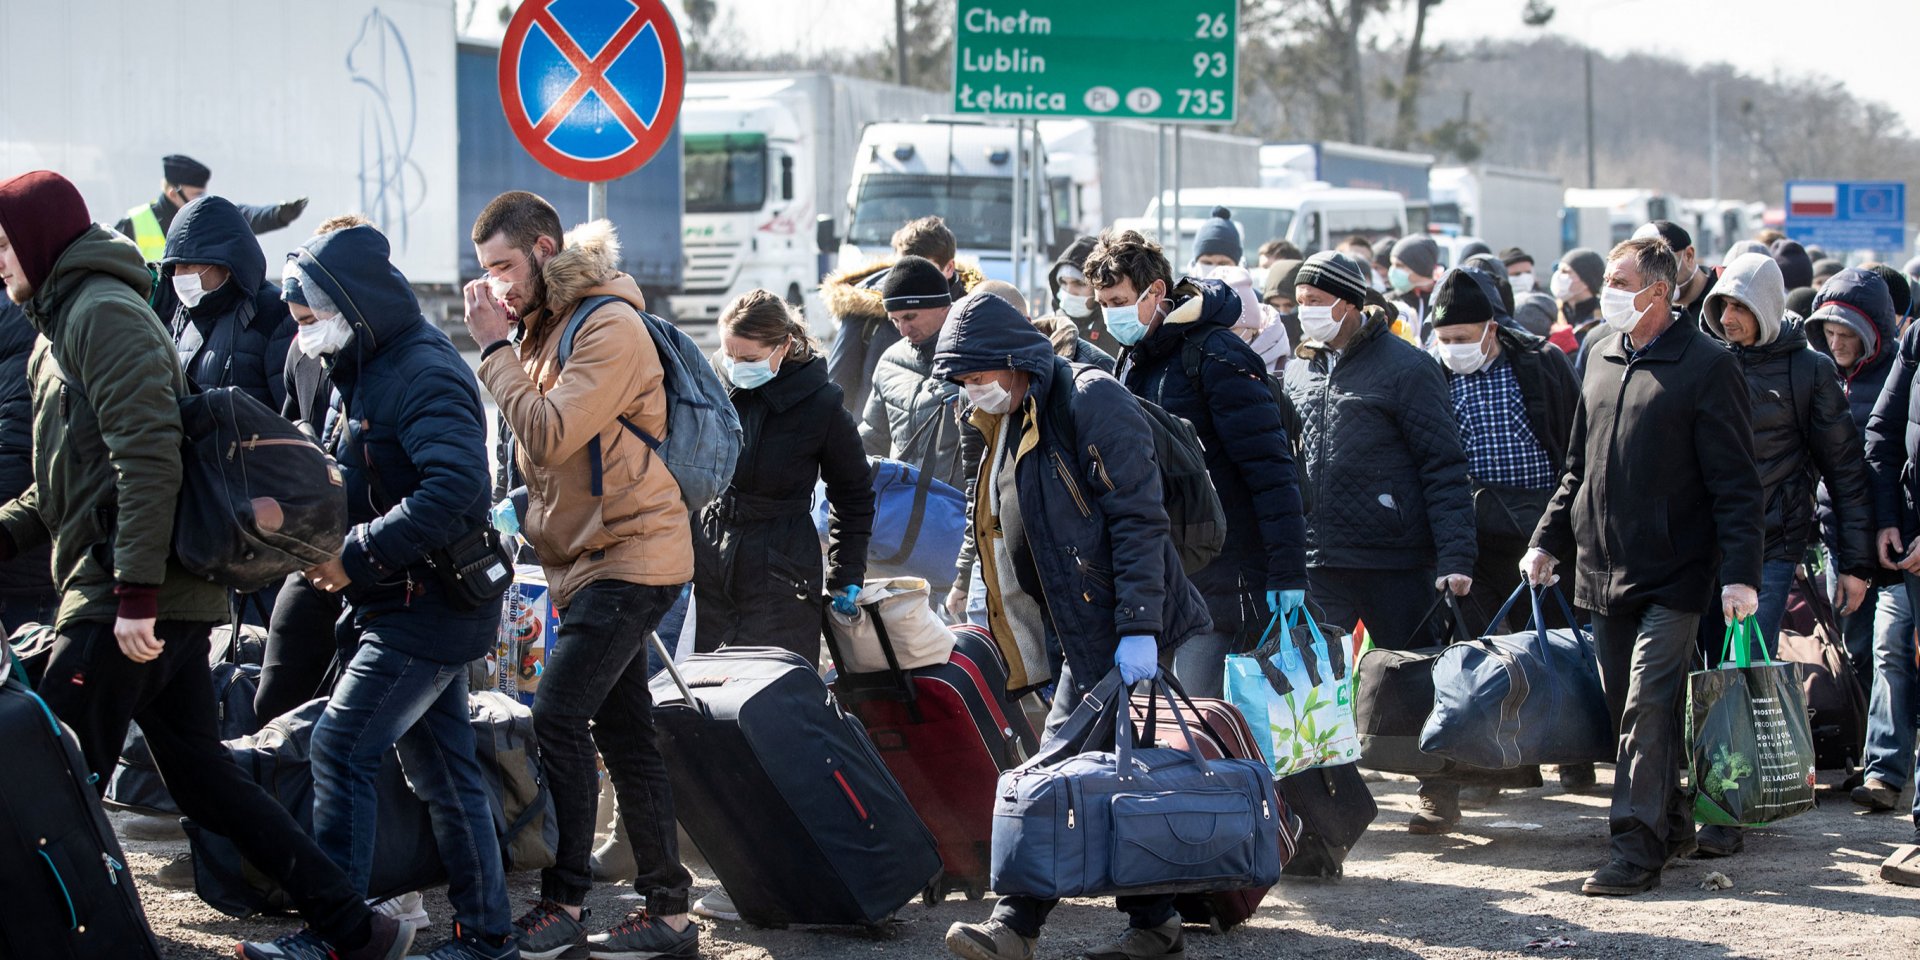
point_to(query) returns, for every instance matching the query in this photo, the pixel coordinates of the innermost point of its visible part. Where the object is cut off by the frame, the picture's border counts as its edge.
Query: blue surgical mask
(1124, 322)
(750, 374)
(1402, 280)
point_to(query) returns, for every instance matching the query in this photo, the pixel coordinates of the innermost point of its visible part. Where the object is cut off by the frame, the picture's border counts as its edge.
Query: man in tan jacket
(616, 547)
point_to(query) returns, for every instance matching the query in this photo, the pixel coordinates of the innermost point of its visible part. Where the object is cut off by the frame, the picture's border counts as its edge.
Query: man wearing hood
(1073, 296)
(1067, 508)
(184, 180)
(911, 414)
(1392, 514)
(410, 438)
(860, 314)
(1803, 437)
(1184, 356)
(133, 625)
(231, 328)
(1660, 500)
(607, 522)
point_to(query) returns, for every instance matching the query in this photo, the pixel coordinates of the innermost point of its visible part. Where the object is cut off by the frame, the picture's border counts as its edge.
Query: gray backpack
(703, 430)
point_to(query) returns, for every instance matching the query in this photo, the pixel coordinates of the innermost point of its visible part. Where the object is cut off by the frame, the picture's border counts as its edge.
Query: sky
(1861, 46)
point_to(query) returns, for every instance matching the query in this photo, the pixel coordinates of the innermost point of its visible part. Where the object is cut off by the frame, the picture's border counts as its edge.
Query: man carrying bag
(1749, 737)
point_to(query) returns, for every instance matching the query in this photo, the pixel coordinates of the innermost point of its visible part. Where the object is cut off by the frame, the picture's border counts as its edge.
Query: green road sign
(1166, 60)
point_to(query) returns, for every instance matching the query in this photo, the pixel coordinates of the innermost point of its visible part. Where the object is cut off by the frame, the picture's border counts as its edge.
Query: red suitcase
(945, 732)
(1222, 732)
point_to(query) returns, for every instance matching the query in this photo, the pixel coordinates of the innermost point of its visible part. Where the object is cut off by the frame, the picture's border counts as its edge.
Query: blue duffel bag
(1522, 698)
(1073, 822)
(918, 524)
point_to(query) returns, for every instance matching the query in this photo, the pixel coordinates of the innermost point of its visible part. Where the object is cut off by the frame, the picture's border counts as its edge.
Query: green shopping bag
(1296, 693)
(1748, 736)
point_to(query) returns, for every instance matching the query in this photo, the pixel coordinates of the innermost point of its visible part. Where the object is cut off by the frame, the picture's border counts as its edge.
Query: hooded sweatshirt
(239, 334)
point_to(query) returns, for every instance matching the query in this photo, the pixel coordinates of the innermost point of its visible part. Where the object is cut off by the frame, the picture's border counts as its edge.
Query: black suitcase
(1335, 807)
(63, 878)
(784, 794)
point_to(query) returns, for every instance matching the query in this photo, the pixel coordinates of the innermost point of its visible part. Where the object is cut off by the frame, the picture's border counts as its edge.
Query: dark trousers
(594, 693)
(21, 609)
(301, 647)
(1392, 603)
(1026, 915)
(97, 691)
(1644, 659)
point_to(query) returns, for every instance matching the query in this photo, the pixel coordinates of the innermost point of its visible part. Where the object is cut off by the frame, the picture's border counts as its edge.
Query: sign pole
(597, 200)
(1160, 182)
(1042, 235)
(1176, 199)
(1019, 156)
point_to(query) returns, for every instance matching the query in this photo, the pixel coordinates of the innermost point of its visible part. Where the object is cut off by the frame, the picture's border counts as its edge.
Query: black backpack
(1198, 522)
(1194, 352)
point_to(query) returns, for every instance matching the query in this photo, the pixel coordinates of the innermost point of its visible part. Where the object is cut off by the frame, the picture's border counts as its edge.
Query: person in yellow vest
(185, 179)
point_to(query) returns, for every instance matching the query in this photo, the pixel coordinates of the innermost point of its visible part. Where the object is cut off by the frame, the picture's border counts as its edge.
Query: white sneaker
(717, 906)
(409, 909)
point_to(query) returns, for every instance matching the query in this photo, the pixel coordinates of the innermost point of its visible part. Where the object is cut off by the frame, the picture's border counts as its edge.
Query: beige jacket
(637, 531)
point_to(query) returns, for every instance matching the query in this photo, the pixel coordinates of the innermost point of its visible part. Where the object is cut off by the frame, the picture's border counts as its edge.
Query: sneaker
(547, 932)
(1717, 841)
(1578, 777)
(470, 946)
(992, 940)
(389, 942)
(1164, 941)
(176, 874)
(146, 827)
(717, 906)
(1876, 794)
(1620, 879)
(643, 937)
(1439, 811)
(410, 909)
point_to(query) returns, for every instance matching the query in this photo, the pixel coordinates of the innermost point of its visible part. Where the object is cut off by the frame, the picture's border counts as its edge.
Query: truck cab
(961, 171)
(748, 221)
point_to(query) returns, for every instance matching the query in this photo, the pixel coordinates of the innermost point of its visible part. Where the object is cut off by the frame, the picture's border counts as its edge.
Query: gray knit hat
(1336, 273)
(1588, 265)
(1419, 253)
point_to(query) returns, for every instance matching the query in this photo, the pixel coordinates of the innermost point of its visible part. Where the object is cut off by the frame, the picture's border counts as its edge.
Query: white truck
(766, 155)
(1625, 209)
(1314, 217)
(1504, 206)
(960, 170)
(1103, 170)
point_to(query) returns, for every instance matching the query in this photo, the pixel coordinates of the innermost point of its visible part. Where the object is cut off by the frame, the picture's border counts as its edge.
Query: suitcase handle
(666, 657)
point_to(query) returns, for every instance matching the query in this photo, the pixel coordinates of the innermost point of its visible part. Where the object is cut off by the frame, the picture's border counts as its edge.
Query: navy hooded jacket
(413, 443)
(244, 329)
(1093, 508)
(1249, 455)
(1858, 300)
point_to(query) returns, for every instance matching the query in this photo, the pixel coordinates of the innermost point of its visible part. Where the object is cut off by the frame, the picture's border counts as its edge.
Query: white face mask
(989, 397)
(1617, 309)
(1462, 358)
(1561, 285)
(187, 287)
(1079, 308)
(1522, 283)
(1317, 323)
(329, 335)
(499, 287)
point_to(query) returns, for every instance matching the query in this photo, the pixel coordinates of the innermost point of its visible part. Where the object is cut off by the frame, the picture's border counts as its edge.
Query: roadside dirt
(1807, 888)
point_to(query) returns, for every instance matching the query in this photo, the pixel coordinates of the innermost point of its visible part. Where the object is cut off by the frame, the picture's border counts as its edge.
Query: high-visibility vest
(147, 233)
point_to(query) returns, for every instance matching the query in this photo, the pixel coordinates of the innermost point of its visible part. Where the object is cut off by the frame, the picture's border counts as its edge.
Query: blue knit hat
(1218, 235)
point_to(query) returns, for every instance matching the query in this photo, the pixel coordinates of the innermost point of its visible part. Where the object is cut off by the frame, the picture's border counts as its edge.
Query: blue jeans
(1200, 664)
(1895, 700)
(388, 698)
(1776, 581)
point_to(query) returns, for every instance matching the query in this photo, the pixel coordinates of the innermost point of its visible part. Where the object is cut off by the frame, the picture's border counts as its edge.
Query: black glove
(291, 210)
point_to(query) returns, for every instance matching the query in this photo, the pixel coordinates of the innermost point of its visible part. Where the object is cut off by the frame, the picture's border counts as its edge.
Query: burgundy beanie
(42, 214)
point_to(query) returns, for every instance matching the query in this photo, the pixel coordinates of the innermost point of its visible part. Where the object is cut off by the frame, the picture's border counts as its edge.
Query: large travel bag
(63, 878)
(785, 796)
(1335, 807)
(1392, 696)
(1079, 820)
(918, 521)
(945, 732)
(1836, 705)
(1523, 698)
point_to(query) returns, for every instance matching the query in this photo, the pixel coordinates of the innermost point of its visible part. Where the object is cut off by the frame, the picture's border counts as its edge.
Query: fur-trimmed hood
(855, 294)
(588, 263)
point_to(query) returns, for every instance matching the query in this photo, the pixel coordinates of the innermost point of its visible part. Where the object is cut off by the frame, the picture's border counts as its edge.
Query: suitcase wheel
(975, 892)
(933, 894)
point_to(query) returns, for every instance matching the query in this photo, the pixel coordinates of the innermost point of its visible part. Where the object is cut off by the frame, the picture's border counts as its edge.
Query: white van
(1313, 217)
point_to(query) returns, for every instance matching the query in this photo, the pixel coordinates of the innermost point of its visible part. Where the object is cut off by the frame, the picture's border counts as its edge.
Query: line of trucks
(771, 180)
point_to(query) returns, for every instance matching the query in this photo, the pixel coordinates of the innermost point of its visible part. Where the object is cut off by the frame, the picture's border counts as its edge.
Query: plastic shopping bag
(1296, 694)
(1749, 737)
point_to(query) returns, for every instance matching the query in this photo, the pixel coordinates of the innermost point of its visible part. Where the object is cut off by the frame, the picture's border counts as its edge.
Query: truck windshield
(726, 173)
(979, 210)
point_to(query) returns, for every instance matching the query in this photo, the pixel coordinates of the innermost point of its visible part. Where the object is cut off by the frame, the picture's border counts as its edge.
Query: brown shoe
(1439, 810)
(1876, 795)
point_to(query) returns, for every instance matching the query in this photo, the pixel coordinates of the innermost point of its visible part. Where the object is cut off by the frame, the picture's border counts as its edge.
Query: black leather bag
(1335, 807)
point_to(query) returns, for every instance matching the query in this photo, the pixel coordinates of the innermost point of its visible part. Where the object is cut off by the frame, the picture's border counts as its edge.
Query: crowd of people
(1673, 439)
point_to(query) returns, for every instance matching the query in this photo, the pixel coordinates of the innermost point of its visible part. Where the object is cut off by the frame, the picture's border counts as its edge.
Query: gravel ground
(1809, 888)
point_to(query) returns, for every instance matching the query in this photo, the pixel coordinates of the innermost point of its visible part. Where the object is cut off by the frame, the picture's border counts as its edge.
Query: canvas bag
(1297, 695)
(1748, 737)
(892, 628)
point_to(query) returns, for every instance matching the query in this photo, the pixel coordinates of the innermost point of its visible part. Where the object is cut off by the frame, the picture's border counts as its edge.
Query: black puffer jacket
(1865, 308)
(1249, 455)
(29, 574)
(1387, 475)
(242, 328)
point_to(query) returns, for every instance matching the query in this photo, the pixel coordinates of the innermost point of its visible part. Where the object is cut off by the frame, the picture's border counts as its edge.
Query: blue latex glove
(506, 518)
(843, 602)
(1286, 602)
(1138, 658)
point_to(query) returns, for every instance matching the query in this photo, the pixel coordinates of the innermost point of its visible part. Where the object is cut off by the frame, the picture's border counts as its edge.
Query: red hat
(42, 214)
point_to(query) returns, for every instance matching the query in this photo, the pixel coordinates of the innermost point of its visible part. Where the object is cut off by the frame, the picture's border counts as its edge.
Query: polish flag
(1812, 199)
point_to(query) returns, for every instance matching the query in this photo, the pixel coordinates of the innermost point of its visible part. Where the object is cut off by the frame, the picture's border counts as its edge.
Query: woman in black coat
(757, 569)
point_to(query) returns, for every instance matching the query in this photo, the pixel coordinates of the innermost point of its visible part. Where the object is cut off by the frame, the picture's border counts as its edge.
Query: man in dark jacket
(26, 591)
(1660, 495)
(910, 413)
(133, 624)
(860, 314)
(231, 328)
(1074, 550)
(1073, 296)
(411, 443)
(1415, 260)
(184, 181)
(1192, 364)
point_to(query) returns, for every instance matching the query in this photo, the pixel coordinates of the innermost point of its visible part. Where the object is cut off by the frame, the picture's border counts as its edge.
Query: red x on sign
(591, 88)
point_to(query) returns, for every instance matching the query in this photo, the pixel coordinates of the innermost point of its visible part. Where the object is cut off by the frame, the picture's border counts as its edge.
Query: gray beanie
(1419, 253)
(1588, 265)
(1218, 235)
(1336, 273)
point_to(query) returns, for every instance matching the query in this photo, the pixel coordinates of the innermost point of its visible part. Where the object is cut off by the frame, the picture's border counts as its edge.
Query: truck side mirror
(786, 177)
(823, 236)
